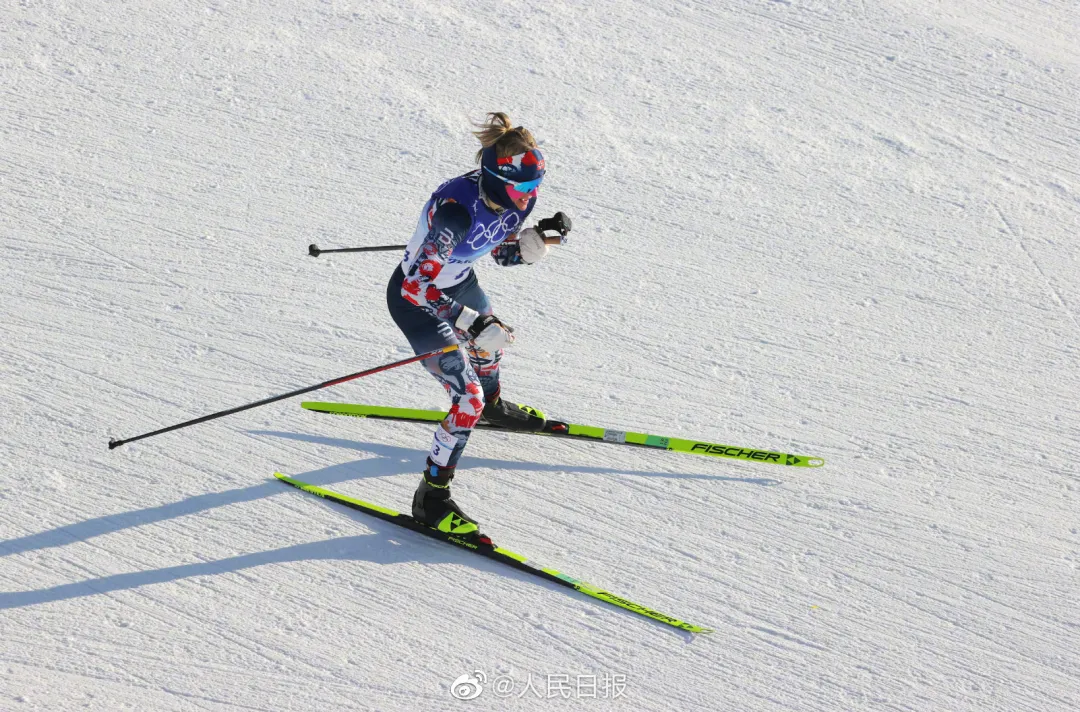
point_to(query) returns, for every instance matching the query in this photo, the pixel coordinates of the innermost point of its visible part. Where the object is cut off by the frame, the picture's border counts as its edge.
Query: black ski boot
(433, 506)
(512, 416)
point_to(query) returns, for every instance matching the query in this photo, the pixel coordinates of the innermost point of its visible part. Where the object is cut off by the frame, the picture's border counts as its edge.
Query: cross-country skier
(435, 299)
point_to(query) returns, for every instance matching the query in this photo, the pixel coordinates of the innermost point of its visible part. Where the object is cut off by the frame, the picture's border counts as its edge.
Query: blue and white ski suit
(435, 280)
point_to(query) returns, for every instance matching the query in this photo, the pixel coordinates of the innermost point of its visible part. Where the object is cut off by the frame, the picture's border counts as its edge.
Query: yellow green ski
(559, 429)
(487, 549)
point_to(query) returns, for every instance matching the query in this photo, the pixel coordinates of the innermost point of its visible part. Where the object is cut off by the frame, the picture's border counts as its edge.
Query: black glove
(559, 223)
(482, 322)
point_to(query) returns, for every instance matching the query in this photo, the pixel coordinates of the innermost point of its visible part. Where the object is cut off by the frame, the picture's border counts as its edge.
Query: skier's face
(523, 203)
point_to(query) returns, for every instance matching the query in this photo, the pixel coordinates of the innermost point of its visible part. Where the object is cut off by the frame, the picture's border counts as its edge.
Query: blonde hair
(507, 139)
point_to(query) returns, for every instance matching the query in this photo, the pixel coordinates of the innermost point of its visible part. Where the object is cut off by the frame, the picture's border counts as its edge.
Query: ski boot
(512, 416)
(433, 506)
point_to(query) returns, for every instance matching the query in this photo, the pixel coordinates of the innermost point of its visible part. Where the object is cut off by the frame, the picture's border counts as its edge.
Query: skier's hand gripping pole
(272, 399)
(486, 331)
(534, 242)
(560, 224)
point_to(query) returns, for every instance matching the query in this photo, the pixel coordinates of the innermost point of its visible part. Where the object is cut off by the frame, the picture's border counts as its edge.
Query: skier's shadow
(389, 461)
(382, 546)
(110, 524)
(378, 547)
(369, 547)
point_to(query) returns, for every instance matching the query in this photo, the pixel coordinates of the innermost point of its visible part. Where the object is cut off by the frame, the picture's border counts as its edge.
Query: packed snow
(841, 229)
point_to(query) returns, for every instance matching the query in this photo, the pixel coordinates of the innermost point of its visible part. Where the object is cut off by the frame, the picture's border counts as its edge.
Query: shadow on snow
(389, 461)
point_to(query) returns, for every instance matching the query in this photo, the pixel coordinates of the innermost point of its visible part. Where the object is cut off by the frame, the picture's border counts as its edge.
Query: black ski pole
(559, 222)
(314, 250)
(343, 379)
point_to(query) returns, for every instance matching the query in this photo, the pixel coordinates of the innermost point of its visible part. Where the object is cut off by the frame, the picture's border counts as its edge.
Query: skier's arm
(531, 244)
(508, 253)
(449, 225)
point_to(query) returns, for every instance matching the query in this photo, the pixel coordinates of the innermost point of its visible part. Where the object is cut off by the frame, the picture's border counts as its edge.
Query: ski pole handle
(314, 250)
(559, 223)
(273, 399)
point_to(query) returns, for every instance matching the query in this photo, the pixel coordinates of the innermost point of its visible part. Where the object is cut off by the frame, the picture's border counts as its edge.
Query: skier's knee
(467, 409)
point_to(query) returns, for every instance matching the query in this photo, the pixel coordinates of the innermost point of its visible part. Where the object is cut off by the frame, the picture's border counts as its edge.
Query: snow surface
(844, 229)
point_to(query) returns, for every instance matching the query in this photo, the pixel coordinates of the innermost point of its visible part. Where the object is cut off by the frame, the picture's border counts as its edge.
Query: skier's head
(511, 166)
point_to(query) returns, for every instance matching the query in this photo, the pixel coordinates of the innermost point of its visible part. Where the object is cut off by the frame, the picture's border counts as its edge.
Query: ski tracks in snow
(845, 229)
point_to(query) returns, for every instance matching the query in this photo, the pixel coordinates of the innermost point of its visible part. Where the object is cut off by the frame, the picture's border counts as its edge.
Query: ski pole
(309, 389)
(314, 250)
(560, 223)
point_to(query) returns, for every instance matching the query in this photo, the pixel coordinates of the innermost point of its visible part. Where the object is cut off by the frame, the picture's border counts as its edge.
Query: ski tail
(560, 429)
(496, 553)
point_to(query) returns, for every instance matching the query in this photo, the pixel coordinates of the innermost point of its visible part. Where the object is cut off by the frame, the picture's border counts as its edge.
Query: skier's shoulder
(449, 215)
(461, 188)
(453, 204)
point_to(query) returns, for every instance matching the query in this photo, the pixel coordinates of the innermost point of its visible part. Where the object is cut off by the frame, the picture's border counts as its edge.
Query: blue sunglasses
(525, 186)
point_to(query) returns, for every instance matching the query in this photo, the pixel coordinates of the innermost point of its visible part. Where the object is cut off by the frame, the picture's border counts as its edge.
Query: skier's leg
(432, 503)
(486, 365)
(457, 376)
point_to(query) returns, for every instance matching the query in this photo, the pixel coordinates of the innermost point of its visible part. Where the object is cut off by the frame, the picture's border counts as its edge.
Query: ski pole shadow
(411, 455)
